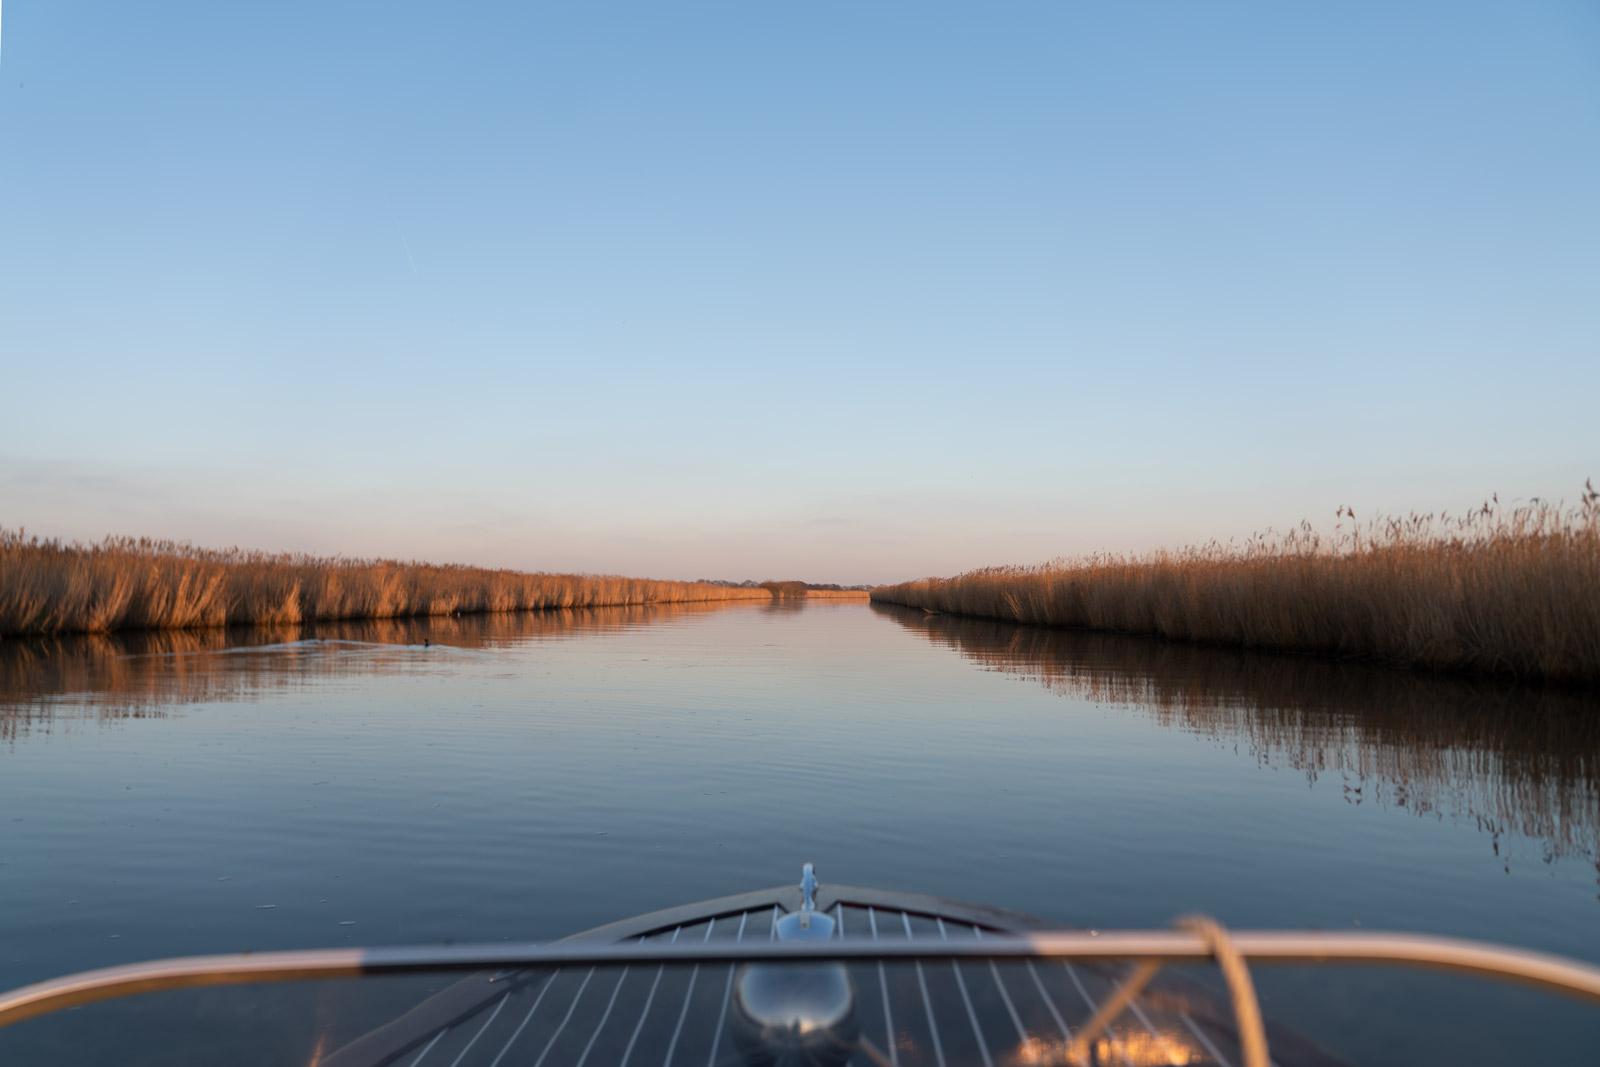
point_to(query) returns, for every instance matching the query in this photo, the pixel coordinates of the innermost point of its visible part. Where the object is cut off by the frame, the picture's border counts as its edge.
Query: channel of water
(530, 776)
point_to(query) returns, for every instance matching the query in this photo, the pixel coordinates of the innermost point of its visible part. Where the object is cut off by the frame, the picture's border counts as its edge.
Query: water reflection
(144, 673)
(1516, 758)
(1156, 1048)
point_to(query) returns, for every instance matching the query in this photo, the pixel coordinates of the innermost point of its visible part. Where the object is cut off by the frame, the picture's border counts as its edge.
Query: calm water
(529, 777)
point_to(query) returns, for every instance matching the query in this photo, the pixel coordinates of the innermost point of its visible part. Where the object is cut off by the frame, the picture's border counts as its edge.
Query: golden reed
(52, 587)
(1510, 592)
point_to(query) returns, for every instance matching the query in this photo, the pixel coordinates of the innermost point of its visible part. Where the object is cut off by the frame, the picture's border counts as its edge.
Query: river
(530, 776)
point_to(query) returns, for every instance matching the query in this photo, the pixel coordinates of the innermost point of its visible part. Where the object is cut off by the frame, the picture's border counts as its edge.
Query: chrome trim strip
(481, 1031)
(1212, 1049)
(1094, 1009)
(727, 994)
(966, 998)
(1055, 1014)
(424, 1053)
(643, 1015)
(526, 1019)
(722, 1016)
(883, 980)
(565, 1019)
(604, 1016)
(1005, 998)
(1016, 1020)
(1144, 1020)
(1482, 959)
(688, 996)
(927, 1005)
(677, 1031)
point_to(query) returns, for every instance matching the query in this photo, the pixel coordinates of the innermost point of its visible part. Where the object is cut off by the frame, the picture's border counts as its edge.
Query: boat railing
(1195, 940)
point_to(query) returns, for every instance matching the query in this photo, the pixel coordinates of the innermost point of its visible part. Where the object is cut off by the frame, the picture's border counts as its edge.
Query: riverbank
(53, 587)
(1513, 593)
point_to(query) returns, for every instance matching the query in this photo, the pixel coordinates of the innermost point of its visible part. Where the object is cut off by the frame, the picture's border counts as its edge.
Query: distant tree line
(751, 583)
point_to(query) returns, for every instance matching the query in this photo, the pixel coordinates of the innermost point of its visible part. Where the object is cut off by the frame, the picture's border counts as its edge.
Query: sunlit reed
(1510, 592)
(53, 587)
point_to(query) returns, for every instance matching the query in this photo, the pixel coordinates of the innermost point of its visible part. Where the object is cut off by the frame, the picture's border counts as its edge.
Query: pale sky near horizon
(850, 293)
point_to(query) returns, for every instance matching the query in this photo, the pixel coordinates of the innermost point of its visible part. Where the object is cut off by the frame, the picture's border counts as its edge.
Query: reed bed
(1512, 592)
(52, 587)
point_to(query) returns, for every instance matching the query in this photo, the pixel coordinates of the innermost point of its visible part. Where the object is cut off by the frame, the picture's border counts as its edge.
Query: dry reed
(53, 587)
(1506, 592)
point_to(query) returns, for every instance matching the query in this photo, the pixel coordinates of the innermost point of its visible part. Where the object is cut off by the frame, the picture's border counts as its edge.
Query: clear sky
(842, 292)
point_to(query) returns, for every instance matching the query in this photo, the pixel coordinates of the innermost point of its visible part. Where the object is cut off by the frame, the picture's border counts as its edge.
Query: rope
(1246, 1009)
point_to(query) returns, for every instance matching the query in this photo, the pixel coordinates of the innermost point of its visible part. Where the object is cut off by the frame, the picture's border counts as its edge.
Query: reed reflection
(1519, 759)
(145, 673)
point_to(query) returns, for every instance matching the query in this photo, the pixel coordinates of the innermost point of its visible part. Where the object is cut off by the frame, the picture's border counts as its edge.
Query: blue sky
(840, 292)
